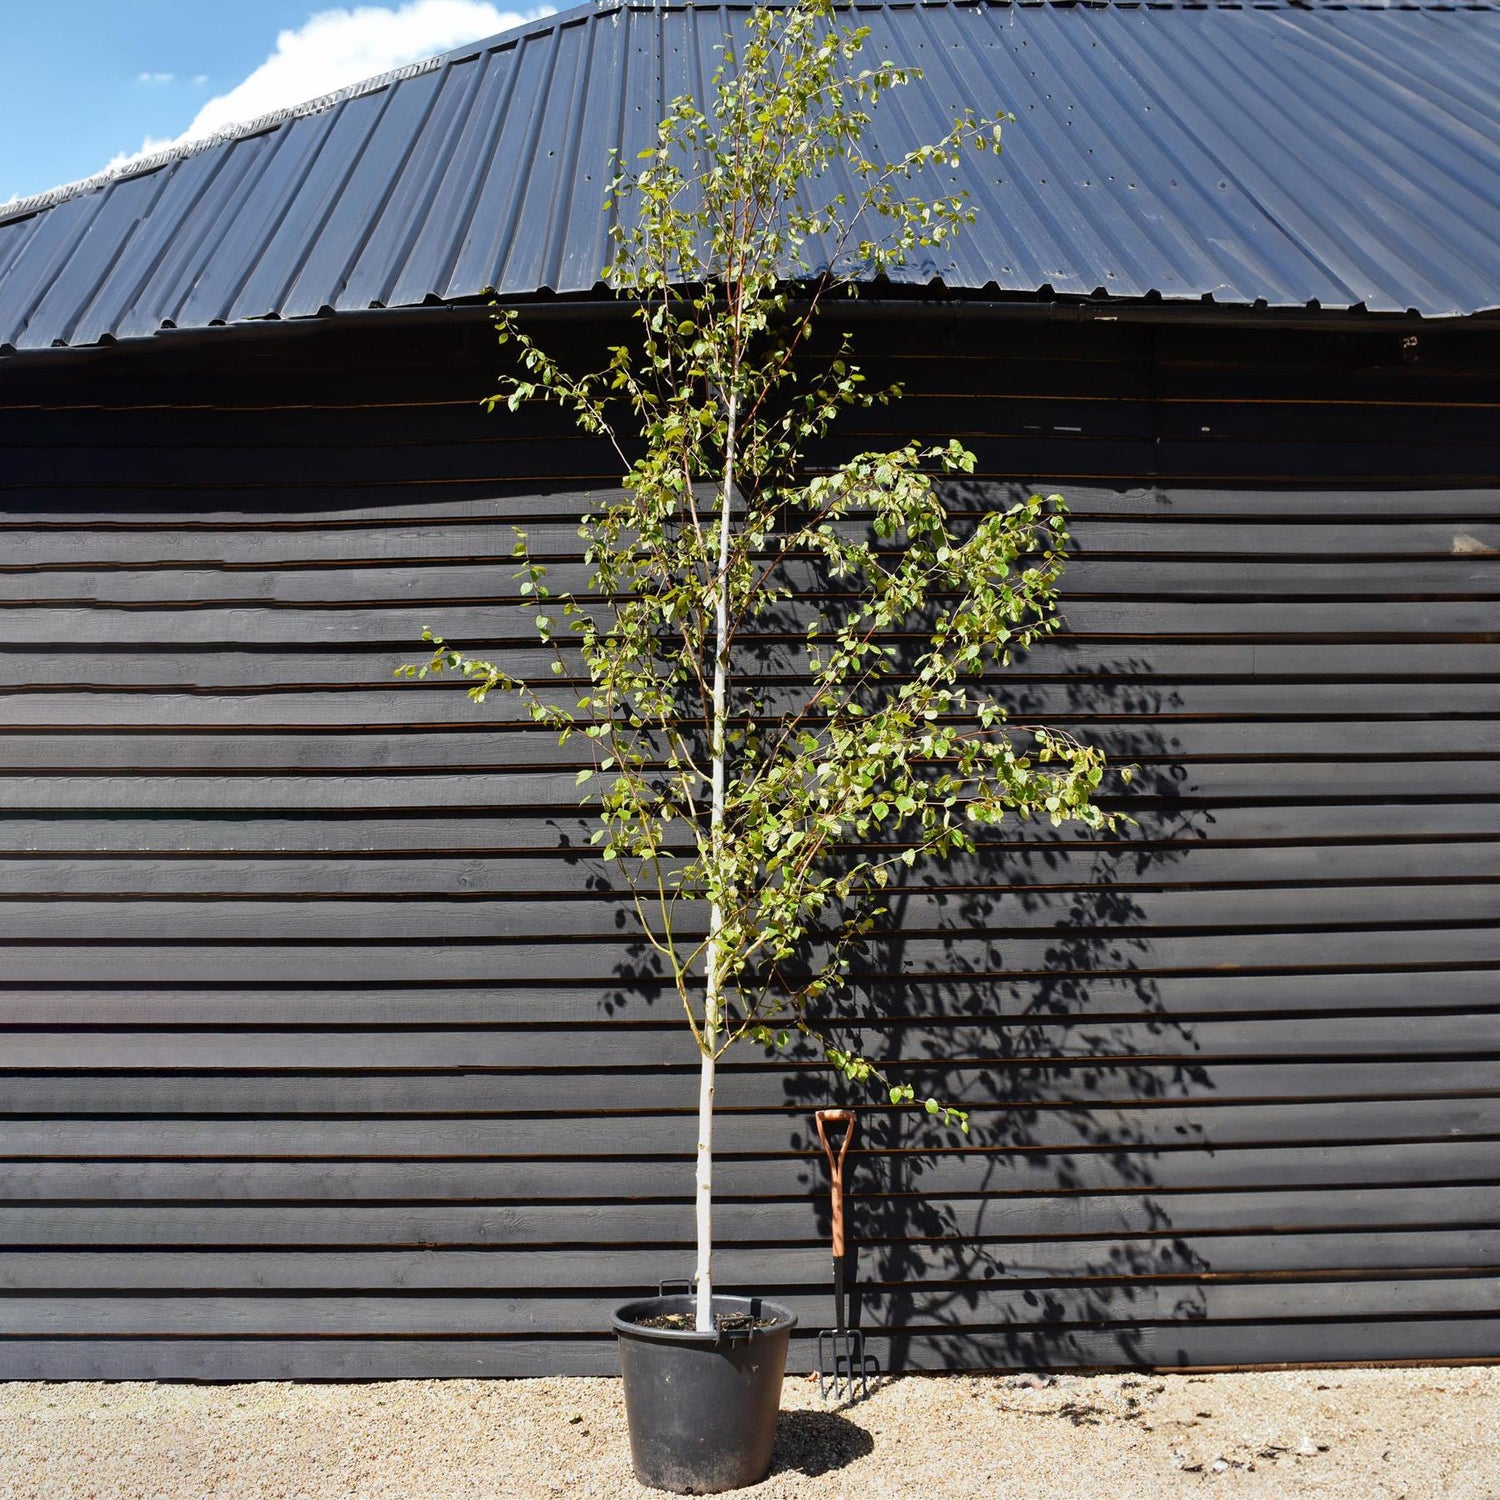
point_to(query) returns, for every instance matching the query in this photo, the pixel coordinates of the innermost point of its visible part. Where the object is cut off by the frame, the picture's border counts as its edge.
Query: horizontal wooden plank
(1204, 462)
(1186, 503)
(484, 452)
(548, 789)
(567, 870)
(556, 1000)
(280, 960)
(433, 584)
(668, 1226)
(341, 446)
(893, 1149)
(482, 742)
(550, 871)
(491, 537)
(605, 916)
(1179, 1346)
(627, 1272)
(1084, 1083)
(670, 1178)
(332, 428)
(1464, 575)
(1165, 997)
(917, 925)
(1128, 1346)
(309, 442)
(1043, 1030)
(486, 745)
(1036, 869)
(400, 625)
(481, 747)
(1166, 1255)
(562, 504)
(499, 1316)
(315, 793)
(500, 831)
(526, 1047)
(510, 501)
(278, 542)
(1387, 453)
(1306, 364)
(1134, 1346)
(211, 667)
(424, 1226)
(206, 1314)
(201, 1316)
(1014, 959)
(247, 831)
(1127, 697)
(307, 1359)
(963, 1039)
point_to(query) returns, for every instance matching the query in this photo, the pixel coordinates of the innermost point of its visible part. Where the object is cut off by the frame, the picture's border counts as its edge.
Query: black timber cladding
(309, 1069)
(1255, 154)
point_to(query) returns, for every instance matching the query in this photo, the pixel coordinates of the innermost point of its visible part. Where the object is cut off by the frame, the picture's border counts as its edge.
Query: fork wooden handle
(823, 1119)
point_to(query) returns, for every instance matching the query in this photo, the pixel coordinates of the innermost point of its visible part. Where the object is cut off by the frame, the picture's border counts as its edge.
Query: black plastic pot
(702, 1407)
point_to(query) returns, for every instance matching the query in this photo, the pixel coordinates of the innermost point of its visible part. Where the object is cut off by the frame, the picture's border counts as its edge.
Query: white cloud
(335, 48)
(154, 77)
(148, 147)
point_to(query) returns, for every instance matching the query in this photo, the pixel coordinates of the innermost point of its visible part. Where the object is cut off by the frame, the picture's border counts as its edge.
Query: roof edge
(598, 306)
(24, 208)
(139, 166)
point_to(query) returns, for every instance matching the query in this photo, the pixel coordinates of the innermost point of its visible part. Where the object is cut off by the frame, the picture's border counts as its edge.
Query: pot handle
(823, 1118)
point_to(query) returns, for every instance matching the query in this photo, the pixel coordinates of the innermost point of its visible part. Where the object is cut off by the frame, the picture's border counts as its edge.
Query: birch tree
(754, 825)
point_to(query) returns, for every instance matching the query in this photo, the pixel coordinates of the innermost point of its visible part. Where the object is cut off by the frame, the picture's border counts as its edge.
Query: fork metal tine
(841, 1363)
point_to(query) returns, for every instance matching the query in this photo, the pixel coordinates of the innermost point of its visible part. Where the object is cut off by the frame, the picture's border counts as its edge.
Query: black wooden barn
(320, 1055)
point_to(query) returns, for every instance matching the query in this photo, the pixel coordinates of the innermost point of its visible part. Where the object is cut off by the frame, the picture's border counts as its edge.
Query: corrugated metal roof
(1286, 154)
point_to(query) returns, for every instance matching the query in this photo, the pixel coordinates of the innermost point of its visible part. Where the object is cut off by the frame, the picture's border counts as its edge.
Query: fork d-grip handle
(823, 1118)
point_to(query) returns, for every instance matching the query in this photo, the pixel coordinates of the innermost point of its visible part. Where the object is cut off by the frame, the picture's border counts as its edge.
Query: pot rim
(624, 1325)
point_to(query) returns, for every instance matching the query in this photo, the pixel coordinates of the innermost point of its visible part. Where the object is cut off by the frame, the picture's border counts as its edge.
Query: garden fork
(841, 1350)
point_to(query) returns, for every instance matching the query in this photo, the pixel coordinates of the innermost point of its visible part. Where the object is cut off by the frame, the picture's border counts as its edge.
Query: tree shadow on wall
(1023, 985)
(1027, 984)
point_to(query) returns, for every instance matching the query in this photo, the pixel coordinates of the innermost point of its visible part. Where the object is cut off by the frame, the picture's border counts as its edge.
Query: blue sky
(87, 82)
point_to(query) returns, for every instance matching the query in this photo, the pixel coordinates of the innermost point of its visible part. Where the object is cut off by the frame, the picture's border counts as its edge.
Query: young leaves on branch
(782, 672)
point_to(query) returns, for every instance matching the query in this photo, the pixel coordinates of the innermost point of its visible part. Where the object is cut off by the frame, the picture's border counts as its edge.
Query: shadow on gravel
(817, 1442)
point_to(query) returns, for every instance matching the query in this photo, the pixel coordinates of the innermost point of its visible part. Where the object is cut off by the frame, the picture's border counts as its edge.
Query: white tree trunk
(713, 1003)
(703, 1279)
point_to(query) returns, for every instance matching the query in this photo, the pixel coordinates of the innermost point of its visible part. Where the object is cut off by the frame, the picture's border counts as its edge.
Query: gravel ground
(1369, 1434)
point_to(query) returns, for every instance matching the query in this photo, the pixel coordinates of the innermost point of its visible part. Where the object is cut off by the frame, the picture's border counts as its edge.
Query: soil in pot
(724, 1322)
